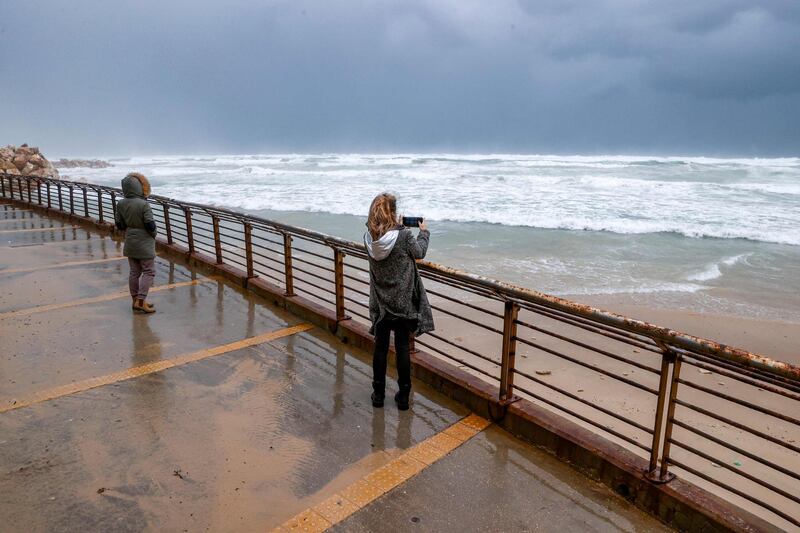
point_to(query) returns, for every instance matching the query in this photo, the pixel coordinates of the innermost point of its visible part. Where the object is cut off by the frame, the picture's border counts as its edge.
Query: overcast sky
(716, 77)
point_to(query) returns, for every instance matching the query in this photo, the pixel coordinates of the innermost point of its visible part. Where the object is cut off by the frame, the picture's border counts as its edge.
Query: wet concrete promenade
(223, 413)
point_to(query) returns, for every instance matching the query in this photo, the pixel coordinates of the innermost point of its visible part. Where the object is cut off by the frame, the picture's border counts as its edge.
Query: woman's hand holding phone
(423, 226)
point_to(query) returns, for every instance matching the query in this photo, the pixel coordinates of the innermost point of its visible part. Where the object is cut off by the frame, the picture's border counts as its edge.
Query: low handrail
(506, 289)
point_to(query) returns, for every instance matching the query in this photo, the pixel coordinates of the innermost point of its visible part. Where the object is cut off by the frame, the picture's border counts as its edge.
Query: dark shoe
(401, 398)
(378, 393)
(377, 401)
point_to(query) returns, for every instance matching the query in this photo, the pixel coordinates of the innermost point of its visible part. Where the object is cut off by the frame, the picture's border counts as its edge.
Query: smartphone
(412, 222)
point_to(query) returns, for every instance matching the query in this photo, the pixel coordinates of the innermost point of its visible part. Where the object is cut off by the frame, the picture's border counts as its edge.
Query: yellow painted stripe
(155, 366)
(96, 299)
(60, 265)
(371, 487)
(38, 229)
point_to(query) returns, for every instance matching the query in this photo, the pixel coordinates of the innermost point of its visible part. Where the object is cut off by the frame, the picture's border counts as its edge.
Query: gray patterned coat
(395, 288)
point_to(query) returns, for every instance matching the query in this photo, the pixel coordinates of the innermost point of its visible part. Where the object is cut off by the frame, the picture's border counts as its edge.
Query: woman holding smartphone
(397, 299)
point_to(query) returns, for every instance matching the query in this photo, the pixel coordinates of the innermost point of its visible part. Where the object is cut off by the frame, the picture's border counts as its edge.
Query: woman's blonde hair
(382, 215)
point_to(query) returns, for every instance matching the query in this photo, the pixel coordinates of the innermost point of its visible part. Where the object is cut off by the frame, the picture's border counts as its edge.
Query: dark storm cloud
(716, 77)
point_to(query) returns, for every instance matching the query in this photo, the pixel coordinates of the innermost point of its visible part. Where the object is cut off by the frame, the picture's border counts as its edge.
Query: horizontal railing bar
(577, 398)
(298, 250)
(737, 425)
(456, 359)
(587, 365)
(311, 263)
(301, 280)
(356, 278)
(319, 277)
(588, 347)
(356, 267)
(357, 291)
(466, 304)
(353, 300)
(744, 379)
(733, 490)
(740, 451)
(594, 327)
(464, 348)
(583, 418)
(738, 401)
(270, 276)
(260, 238)
(314, 295)
(270, 268)
(775, 379)
(465, 319)
(268, 258)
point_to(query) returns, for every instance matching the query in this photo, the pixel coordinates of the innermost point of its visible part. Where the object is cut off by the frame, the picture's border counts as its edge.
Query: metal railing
(655, 391)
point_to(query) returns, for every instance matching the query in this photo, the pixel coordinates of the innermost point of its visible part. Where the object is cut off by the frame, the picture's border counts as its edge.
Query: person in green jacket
(135, 218)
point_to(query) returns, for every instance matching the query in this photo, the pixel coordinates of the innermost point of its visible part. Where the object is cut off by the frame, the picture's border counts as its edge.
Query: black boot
(378, 393)
(401, 398)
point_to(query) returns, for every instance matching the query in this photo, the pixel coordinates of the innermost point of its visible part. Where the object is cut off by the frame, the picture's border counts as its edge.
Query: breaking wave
(695, 197)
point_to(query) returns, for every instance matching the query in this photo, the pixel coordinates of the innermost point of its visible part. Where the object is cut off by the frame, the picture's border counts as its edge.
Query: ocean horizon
(704, 234)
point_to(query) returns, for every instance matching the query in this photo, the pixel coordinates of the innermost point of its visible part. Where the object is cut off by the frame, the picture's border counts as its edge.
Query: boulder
(25, 160)
(37, 160)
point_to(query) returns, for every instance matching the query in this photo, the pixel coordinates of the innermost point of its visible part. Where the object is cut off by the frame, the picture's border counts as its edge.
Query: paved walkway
(223, 413)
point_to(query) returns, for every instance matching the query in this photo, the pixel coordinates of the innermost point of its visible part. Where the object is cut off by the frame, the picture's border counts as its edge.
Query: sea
(713, 235)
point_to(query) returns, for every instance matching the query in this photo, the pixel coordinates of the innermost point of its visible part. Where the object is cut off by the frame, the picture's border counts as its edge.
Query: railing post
(100, 205)
(217, 240)
(28, 186)
(71, 200)
(114, 206)
(673, 395)
(85, 202)
(19, 188)
(39, 192)
(60, 199)
(167, 225)
(49, 200)
(287, 264)
(338, 269)
(3, 185)
(508, 356)
(248, 250)
(187, 213)
(667, 360)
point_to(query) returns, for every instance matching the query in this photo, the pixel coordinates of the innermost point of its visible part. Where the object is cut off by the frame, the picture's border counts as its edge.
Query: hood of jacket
(381, 248)
(135, 185)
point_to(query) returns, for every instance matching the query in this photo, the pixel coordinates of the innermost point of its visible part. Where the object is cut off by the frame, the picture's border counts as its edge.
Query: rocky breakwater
(81, 163)
(26, 161)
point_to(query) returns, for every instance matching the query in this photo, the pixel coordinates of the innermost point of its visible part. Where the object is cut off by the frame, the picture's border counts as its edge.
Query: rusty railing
(721, 417)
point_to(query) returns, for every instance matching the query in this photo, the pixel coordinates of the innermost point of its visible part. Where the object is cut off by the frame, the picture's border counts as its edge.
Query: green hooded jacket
(134, 216)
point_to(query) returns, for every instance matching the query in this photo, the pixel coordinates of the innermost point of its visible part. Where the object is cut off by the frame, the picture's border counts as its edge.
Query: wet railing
(723, 418)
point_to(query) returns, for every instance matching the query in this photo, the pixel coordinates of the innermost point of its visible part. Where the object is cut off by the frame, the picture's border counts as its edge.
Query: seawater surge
(697, 232)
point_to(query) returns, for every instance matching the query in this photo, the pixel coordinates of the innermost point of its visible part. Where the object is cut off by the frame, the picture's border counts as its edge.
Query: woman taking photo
(397, 300)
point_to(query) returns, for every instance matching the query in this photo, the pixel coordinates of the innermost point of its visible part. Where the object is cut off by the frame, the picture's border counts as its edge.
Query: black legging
(402, 331)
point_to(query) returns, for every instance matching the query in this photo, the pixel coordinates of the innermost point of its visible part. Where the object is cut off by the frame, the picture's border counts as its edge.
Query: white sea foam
(696, 197)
